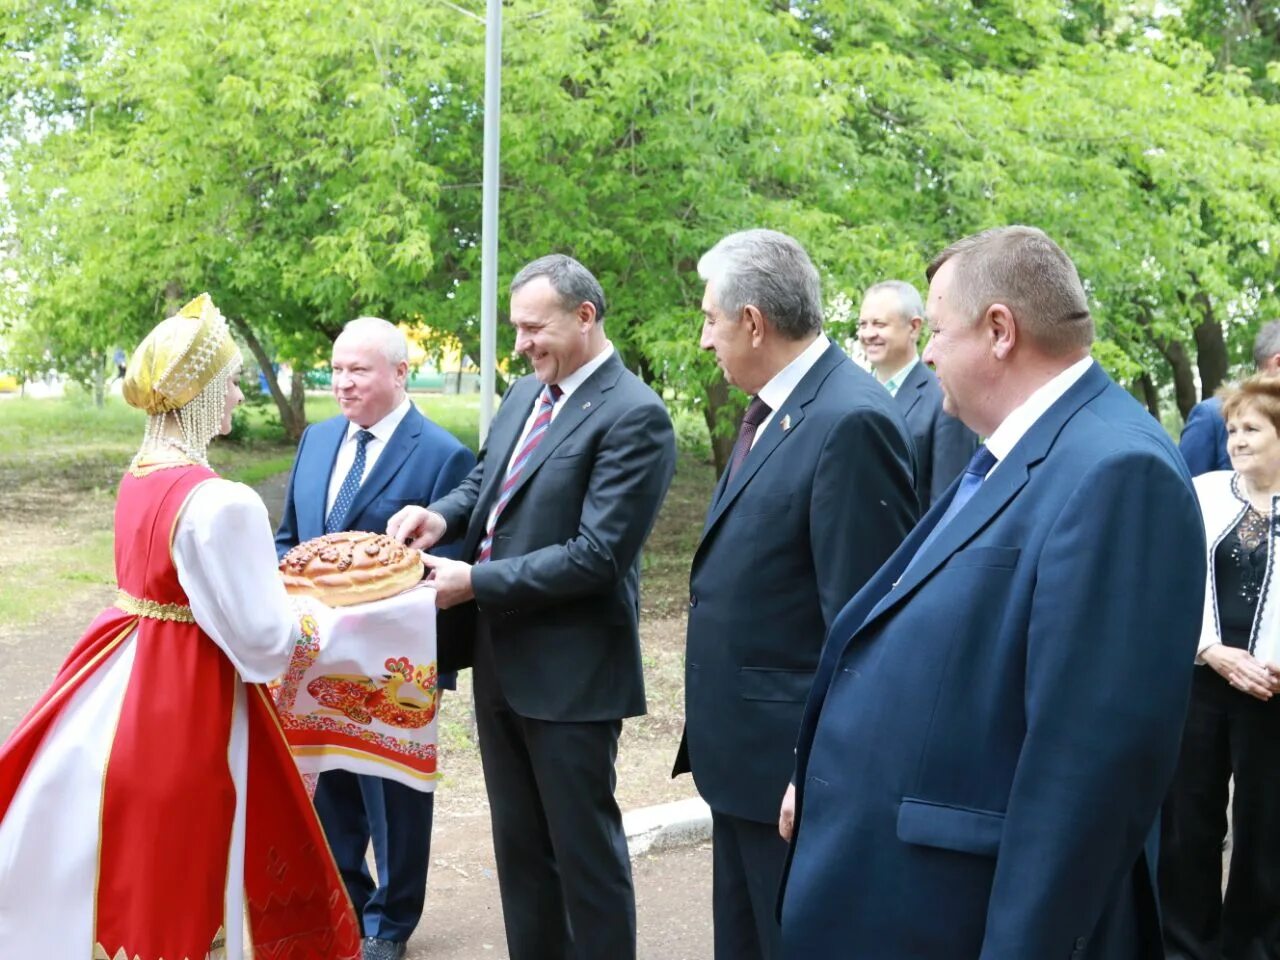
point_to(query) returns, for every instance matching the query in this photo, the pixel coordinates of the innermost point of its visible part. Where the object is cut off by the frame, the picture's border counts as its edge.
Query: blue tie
(980, 465)
(351, 483)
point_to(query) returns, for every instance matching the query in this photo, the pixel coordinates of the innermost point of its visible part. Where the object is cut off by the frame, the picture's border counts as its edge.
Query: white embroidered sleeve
(226, 562)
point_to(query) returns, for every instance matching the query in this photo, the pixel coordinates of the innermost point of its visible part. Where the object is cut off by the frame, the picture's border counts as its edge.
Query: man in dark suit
(1204, 435)
(353, 472)
(816, 496)
(996, 715)
(570, 479)
(889, 325)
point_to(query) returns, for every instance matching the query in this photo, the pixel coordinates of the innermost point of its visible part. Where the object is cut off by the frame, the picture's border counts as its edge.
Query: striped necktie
(546, 403)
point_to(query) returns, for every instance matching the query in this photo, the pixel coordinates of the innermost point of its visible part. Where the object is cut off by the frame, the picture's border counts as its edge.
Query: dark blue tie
(980, 465)
(351, 483)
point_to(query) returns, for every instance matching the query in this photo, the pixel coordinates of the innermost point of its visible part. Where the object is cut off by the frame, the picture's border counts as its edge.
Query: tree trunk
(1184, 381)
(99, 382)
(1211, 348)
(721, 446)
(1150, 395)
(292, 408)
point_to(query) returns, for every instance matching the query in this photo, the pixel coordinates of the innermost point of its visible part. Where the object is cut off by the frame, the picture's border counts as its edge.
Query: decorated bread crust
(341, 569)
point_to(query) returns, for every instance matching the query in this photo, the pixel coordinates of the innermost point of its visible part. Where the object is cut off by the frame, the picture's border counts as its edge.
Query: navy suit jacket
(1204, 438)
(943, 444)
(821, 501)
(420, 462)
(991, 732)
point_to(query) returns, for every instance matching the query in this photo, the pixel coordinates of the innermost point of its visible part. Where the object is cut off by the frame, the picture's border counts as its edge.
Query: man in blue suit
(889, 325)
(817, 494)
(996, 716)
(353, 472)
(1204, 435)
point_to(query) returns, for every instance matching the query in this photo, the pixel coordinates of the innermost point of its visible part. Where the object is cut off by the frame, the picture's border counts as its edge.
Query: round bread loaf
(341, 569)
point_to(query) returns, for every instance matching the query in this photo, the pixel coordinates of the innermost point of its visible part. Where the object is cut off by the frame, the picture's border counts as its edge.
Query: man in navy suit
(353, 472)
(1204, 435)
(817, 494)
(889, 325)
(996, 716)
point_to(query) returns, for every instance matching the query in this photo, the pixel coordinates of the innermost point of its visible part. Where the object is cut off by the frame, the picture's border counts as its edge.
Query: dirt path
(463, 919)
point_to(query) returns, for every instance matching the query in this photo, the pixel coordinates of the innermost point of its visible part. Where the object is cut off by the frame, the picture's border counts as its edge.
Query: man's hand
(787, 815)
(1242, 670)
(417, 527)
(451, 578)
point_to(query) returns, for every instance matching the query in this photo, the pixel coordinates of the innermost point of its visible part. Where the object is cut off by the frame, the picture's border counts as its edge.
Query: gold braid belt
(175, 612)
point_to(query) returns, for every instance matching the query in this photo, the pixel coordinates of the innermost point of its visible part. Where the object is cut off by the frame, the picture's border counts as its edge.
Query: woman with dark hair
(1233, 725)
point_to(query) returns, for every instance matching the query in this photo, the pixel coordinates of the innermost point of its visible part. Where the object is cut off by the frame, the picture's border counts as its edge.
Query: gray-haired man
(816, 495)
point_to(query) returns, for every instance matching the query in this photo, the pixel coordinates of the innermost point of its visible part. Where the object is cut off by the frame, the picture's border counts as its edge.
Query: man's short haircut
(1023, 269)
(1260, 392)
(1267, 343)
(909, 302)
(571, 280)
(770, 271)
(386, 335)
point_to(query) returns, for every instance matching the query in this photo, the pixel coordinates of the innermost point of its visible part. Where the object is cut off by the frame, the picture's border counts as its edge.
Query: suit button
(693, 600)
(1080, 942)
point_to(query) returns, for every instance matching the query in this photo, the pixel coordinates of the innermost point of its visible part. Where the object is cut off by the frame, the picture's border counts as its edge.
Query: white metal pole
(489, 215)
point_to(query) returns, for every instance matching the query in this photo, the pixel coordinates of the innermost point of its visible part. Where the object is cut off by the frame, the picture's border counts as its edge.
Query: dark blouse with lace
(1239, 564)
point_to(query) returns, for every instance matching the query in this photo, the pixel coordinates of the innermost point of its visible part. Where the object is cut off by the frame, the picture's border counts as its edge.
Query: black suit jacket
(560, 595)
(944, 445)
(822, 499)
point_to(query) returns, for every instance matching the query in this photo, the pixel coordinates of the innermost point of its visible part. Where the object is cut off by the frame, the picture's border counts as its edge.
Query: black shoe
(375, 948)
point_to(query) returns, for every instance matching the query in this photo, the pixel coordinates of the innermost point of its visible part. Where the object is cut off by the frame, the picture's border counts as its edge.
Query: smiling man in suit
(889, 325)
(353, 472)
(817, 493)
(569, 483)
(996, 716)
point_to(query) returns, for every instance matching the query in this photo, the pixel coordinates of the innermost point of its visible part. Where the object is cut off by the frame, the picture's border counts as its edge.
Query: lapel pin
(586, 405)
(786, 421)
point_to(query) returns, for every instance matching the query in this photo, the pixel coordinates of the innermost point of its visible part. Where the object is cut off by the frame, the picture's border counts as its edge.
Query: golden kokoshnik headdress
(178, 375)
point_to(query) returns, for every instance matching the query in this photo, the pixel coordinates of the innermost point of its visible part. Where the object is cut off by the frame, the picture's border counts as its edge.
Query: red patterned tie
(546, 402)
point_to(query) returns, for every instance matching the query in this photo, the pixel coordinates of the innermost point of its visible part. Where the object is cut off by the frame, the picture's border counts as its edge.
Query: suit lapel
(909, 393)
(995, 493)
(398, 447)
(328, 450)
(580, 405)
(502, 442)
(786, 419)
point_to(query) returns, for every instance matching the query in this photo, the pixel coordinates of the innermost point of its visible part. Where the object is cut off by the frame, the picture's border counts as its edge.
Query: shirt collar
(384, 428)
(776, 392)
(576, 379)
(894, 384)
(1015, 426)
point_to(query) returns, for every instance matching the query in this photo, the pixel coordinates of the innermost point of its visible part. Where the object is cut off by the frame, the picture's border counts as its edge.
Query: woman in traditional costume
(149, 806)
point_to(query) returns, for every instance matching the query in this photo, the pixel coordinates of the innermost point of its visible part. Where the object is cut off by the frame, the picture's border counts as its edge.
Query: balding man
(352, 472)
(996, 715)
(889, 325)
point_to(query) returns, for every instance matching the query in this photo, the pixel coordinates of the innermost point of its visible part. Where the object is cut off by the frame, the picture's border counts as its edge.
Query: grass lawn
(60, 463)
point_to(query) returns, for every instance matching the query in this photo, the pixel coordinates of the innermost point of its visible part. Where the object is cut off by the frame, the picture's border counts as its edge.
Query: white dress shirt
(382, 431)
(1015, 426)
(778, 390)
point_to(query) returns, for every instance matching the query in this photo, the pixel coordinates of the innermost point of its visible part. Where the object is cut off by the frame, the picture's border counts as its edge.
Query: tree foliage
(309, 163)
